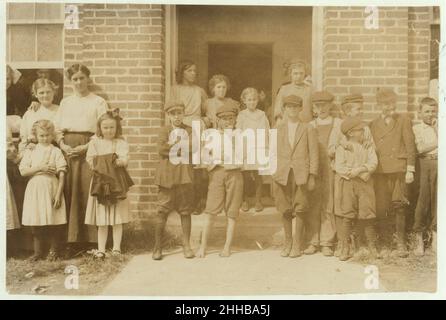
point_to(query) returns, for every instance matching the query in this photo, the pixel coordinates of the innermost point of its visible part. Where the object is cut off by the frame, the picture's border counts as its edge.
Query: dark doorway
(246, 65)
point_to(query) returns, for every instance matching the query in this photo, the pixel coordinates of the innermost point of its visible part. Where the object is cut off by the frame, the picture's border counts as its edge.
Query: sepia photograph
(215, 150)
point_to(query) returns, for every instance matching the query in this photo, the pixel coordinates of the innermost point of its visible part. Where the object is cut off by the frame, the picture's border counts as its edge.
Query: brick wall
(122, 44)
(360, 60)
(418, 68)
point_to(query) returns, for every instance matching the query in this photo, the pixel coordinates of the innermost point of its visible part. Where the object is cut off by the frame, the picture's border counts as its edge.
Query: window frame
(35, 64)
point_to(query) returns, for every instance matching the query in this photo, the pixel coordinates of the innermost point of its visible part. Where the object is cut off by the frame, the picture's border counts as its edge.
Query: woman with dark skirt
(76, 122)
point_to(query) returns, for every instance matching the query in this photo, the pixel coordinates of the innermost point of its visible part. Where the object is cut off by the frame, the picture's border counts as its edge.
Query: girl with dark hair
(76, 122)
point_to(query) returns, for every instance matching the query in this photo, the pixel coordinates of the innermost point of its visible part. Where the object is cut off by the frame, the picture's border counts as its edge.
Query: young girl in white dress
(44, 204)
(107, 155)
(252, 118)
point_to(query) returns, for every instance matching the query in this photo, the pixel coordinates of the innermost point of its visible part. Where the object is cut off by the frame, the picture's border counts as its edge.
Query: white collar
(322, 122)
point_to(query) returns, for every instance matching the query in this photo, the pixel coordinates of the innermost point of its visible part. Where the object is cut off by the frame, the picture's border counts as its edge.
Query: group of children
(335, 177)
(53, 165)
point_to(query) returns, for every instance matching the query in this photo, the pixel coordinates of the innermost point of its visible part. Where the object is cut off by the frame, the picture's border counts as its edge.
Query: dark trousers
(426, 210)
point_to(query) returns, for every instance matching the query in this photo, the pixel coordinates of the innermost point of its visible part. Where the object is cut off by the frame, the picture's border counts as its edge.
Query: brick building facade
(132, 49)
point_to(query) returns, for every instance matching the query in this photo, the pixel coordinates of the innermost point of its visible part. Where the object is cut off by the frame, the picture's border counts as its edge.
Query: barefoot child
(396, 150)
(175, 189)
(225, 188)
(44, 204)
(321, 228)
(354, 193)
(297, 166)
(426, 139)
(252, 118)
(107, 203)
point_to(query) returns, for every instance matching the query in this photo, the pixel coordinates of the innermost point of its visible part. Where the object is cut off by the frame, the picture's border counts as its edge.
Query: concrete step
(253, 230)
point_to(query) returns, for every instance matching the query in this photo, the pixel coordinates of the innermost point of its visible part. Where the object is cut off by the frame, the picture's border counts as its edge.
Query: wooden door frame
(171, 46)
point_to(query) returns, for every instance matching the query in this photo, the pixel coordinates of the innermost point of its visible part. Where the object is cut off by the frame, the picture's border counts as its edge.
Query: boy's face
(322, 110)
(428, 113)
(292, 110)
(388, 108)
(176, 117)
(251, 100)
(43, 136)
(226, 121)
(297, 74)
(355, 110)
(356, 135)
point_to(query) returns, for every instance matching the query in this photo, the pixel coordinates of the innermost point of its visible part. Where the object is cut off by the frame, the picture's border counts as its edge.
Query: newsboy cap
(386, 96)
(171, 105)
(353, 98)
(292, 99)
(322, 96)
(351, 123)
(226, 108)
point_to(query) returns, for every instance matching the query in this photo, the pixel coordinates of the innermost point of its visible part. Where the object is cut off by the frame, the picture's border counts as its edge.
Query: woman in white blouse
(76, 122)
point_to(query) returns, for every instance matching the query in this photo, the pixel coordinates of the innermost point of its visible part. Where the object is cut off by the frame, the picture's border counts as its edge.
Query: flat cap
(353, 98)
(292, 99)
(322, 96)
(351, 123)
(228, 107)
(386, 96)
(171, 105)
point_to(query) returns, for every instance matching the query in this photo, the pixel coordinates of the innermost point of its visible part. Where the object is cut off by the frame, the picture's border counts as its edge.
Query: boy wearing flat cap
(354, 192)
(320, 227)
(352, 107)
(396, 150)
(297, 167)
(175, 189)
(225, 191)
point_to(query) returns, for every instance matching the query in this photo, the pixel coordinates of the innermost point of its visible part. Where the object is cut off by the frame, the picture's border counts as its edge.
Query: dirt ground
(48, 278)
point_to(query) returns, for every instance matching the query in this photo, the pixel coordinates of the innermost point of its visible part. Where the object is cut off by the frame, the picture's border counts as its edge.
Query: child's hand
(57, 201)
(346, 145)
(30, 146)
(34, 106)
(48, 169)
(409, 177)
(119, 163)
(311, 182)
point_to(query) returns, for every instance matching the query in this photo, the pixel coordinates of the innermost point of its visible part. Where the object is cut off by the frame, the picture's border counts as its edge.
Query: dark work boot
(159, 230)
(345, 253)
(296, 251)
(288, 230)
(400, 225)
(370, 234)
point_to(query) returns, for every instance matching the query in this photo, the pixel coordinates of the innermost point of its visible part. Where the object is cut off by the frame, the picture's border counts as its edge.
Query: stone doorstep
(253, 229)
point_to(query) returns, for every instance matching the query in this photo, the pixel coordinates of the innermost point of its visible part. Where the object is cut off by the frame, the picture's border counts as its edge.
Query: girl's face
(251, 100)
(45, 95)
(44, 136)
(190, 74)
(176, 117)
(80, 82)
(297, 75)
(220, 90)
(322, 110)
(355, 110)
(108, 129)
